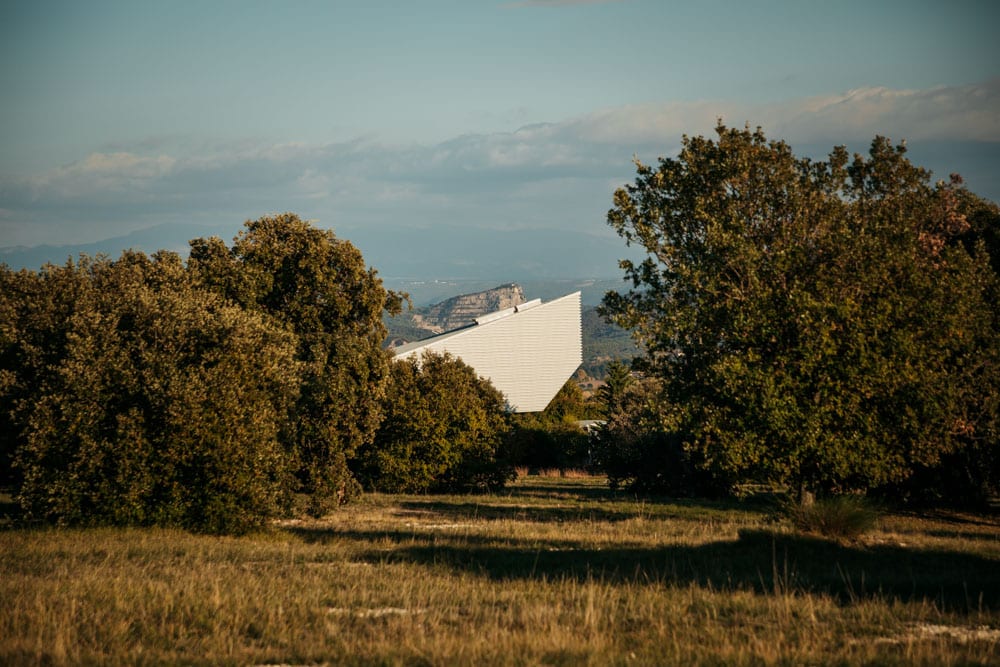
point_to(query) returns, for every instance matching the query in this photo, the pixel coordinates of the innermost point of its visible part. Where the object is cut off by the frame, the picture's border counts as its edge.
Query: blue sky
(505, 115)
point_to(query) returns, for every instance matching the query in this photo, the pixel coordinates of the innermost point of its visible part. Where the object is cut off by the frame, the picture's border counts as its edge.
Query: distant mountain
(173, 237)
(453, 313)
(443, 253)
(426, 292)
(604, 342)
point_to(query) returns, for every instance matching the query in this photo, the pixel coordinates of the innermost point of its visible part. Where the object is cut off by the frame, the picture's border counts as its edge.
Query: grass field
(552, 571)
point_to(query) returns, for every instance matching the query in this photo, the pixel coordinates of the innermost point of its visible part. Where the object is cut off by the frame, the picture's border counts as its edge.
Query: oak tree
(140, 399)
(813, 323)
(318, 287)
(443, 430)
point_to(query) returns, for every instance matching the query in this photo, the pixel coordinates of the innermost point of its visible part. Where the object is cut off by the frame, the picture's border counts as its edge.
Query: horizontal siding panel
(527, 355)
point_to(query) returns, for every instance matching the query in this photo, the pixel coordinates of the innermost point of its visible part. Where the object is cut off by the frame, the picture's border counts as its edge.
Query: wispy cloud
(545, 175)
(960, 113)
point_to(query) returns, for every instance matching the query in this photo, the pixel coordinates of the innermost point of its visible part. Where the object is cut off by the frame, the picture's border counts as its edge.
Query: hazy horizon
(382, 120)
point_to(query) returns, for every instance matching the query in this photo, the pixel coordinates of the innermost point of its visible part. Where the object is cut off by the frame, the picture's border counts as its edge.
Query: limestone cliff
(462, 310)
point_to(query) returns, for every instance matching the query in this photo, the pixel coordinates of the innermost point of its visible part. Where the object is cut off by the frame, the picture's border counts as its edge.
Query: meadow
(554, 570)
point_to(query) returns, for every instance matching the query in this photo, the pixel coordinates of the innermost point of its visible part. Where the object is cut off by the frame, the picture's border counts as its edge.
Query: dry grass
(840, 517)
(565, 473)
(556, 571)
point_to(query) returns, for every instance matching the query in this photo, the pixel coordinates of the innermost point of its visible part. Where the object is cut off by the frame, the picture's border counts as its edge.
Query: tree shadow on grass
(423, 536)
(500, 511)
(569, 509)
(552, 489)
(986, 518)
(759, 560)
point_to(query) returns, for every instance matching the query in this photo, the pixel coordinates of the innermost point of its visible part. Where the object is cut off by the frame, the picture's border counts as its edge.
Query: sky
(372, 117)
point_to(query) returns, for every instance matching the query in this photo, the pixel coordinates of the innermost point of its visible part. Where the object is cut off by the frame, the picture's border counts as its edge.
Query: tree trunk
(806, 497)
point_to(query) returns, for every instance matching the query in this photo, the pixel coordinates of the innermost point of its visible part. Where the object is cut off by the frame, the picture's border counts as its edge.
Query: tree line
(825, 327)
(218, 393)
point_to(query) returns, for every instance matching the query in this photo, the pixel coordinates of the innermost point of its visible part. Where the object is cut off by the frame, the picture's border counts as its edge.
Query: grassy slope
(555, 571)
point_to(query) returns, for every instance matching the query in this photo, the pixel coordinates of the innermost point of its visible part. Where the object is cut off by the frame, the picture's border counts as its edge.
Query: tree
(34, 318)
(611, 394)
(971, 474)
(552, 438)
(156, 402)
(813, 324)
(318, 287)
(443, 429)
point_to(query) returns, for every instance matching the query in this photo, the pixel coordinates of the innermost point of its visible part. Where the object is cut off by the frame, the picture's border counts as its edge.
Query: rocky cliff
(462, 310)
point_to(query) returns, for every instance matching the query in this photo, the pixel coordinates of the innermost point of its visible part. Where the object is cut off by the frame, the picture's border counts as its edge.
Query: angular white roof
(527, 352)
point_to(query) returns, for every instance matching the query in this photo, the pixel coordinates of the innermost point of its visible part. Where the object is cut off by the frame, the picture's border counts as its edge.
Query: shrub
(443, 430)
(841, 517)
(164, 407)
(635, 451)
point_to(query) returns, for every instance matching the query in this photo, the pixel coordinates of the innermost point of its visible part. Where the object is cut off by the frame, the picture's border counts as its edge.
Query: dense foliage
(443, 430)
(318, 287)
(552, 439)
(144, 391)
(826, 325)
(632, 448)
(160, 404)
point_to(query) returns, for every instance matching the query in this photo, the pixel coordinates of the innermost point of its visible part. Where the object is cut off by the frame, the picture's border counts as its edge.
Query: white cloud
(954, 113)
(104, 171)
(557, 174)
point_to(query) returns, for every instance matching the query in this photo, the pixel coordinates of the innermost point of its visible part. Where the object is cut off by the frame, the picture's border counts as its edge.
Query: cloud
(104, 171)
(957, 113)
(553, 175)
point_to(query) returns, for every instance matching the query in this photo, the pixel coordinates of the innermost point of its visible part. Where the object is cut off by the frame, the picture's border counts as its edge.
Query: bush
(164, 408)
(541, 446)
(635, 451)
(443, 431)
(840, 517)
(551, 439)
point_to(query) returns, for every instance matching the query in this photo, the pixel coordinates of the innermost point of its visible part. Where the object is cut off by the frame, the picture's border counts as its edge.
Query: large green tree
(319, 287)
(813, 323)
(136, 398)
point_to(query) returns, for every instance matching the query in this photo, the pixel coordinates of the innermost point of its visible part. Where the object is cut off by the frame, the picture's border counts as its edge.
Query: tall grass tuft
(839, 517)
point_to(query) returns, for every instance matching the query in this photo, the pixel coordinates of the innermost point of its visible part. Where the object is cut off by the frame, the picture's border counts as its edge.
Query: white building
(527, 352)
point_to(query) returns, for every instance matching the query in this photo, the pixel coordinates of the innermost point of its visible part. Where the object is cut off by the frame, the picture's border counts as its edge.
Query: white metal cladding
(528, 353)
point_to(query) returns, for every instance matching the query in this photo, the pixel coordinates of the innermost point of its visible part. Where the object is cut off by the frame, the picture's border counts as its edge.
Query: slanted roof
(527, 352)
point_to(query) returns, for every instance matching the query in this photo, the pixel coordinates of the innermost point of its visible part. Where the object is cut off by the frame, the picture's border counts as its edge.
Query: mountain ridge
(398, 252)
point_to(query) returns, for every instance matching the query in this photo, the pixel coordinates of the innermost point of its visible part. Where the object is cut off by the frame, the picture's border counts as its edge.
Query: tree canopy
(139, 399)
(818, 324)
(145, 391)
(318, 287)
(443, 430)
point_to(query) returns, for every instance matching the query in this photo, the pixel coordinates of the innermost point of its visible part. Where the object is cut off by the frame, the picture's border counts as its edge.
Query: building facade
(527, 352)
